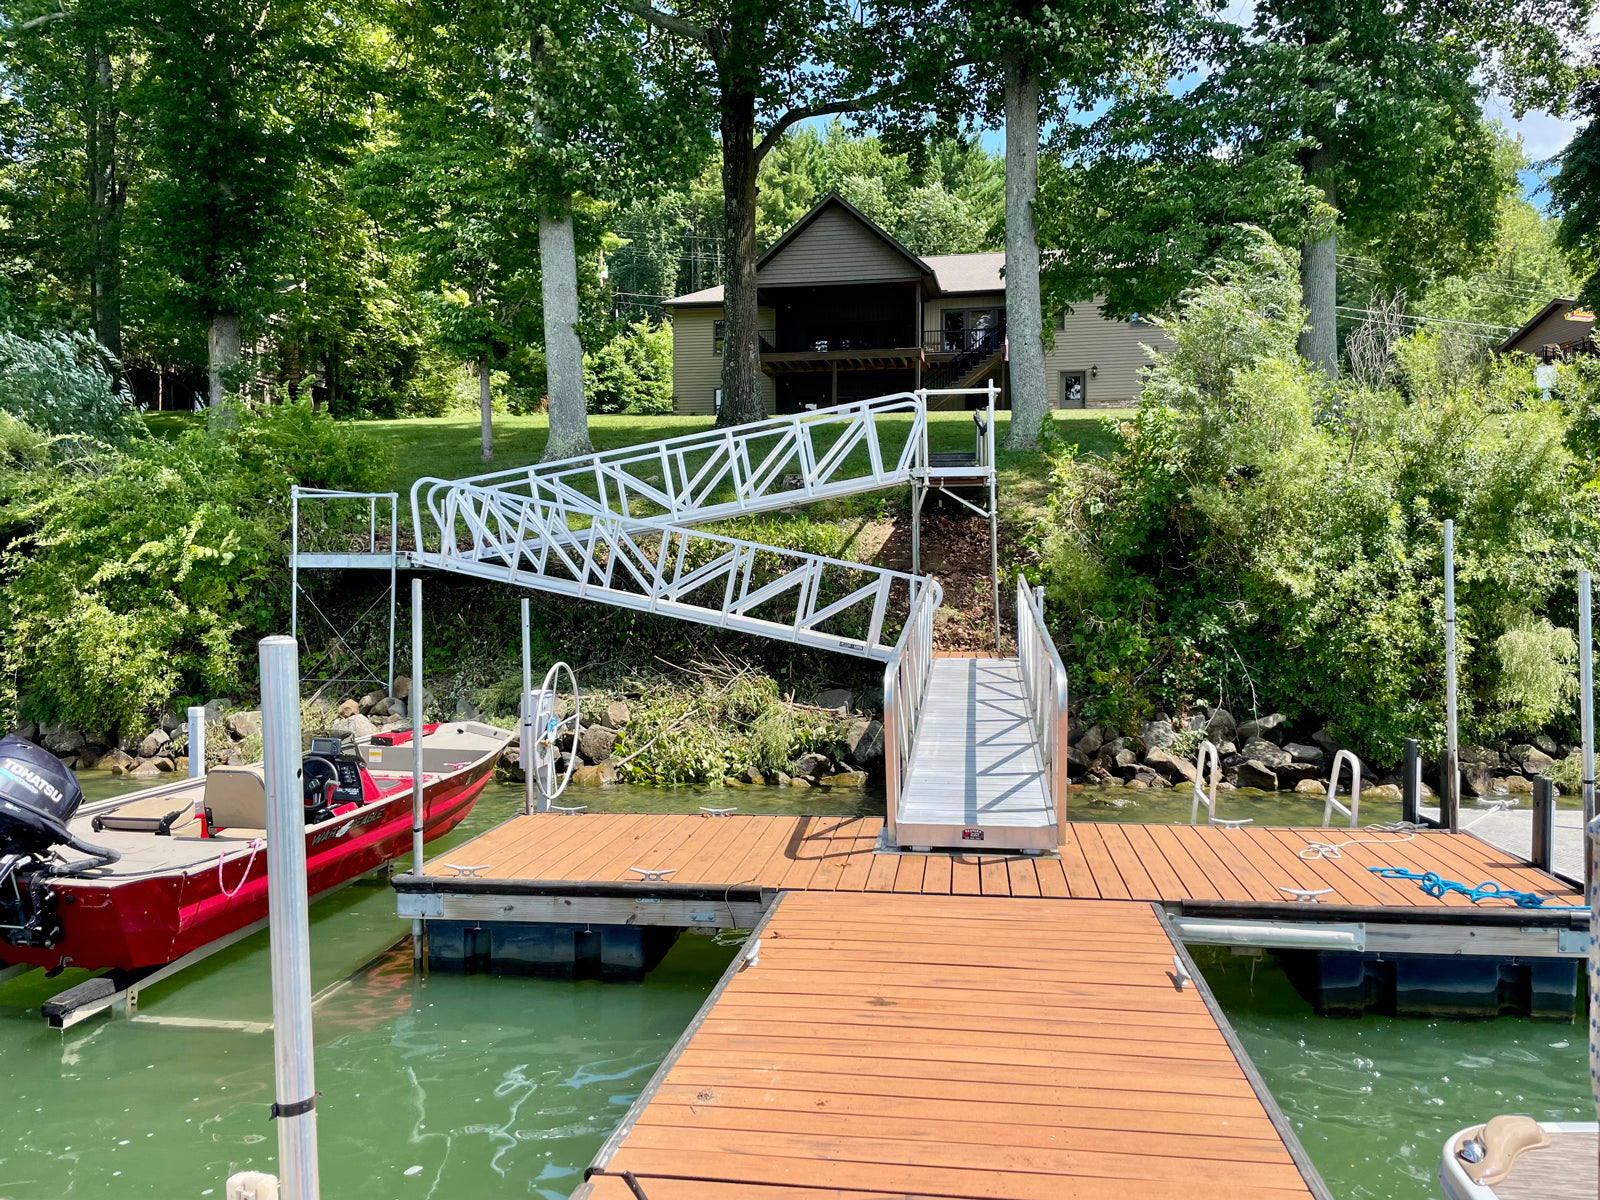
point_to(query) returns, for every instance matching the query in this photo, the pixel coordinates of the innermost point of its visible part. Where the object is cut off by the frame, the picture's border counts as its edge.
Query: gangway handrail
(1044, 684)
(905, 687)
(1332, 803)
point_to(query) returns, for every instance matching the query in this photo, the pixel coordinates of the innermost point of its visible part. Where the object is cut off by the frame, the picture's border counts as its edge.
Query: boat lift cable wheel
(550, 726)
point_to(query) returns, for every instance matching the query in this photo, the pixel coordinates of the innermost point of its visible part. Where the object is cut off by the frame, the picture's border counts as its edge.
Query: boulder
(1091, 741)
(1292, 772)
(350, 708)
(89, 757)
(1195, 722)
(813, 764)
(1301, 752)
(165, 764)
(152, 744)
(1226, 748)
(354, 726)
(216, 709)
(1515, 785)
(171, 722)
(371, 701)
(509, 765)
(834, 698)
(1270, 728)
(181, 764)
(112, 759)
(1221, 727)
(390, 706)
(63, 739)
(233, 758)
(1264, 752)
(1532, 760)
(596, 743)
(865, 740)
(753, 777)
(783, 779)
(1158, 734)
(1136, 784)
(847, 779)
(1253, 774)
(1477, 779)
(243, 724)
(617, 714)
(144, 768)
(466, 710)
(1384, 791)
(1124, 758)
(799, 781)
(1310, 787)
(1169, 765)
(588, 777)
(402, 687)
(1546, 743)
(1326, 742)
(1077, 764)
(1479, 756)
(609, 773)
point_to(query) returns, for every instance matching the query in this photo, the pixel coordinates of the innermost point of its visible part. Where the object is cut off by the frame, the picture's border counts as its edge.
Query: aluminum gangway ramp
(976, 777)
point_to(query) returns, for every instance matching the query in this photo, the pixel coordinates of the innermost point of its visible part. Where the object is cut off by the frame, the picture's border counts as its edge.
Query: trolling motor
(38, 796)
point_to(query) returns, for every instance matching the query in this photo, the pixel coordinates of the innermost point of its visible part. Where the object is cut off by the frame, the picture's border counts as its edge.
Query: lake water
(452, 1087)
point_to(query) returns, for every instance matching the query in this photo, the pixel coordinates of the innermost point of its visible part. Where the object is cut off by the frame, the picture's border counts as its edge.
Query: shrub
(146, 572)
(63, 383)
(631, 373)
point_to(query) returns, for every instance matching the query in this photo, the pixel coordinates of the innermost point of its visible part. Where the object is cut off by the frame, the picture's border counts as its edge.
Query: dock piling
(1411, 785)
(415, 705)
(294, 1106)
(1450, 768)
(1542, 855)
(197, 741)
(1586, 713)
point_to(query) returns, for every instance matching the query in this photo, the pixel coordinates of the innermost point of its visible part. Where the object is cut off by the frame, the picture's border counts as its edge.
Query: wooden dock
(1100, 861)
(896, 1045)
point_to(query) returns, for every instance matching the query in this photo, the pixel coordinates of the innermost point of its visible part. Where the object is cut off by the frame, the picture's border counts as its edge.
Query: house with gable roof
(848, 312)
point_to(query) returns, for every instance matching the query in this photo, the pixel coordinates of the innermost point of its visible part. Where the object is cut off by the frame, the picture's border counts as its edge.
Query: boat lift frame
(372, 559)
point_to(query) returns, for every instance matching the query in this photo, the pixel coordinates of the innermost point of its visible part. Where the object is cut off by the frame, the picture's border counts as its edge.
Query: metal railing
(1202, 795)
(1044, 683)
(960, 341)
(377, 548)
(880, 335)
(721, 473)
(905, 686)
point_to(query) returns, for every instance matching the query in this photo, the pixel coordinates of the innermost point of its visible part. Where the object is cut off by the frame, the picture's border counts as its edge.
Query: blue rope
(1436, 886)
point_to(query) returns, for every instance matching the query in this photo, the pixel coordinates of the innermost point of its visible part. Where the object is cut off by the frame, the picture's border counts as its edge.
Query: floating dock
(871, 1046)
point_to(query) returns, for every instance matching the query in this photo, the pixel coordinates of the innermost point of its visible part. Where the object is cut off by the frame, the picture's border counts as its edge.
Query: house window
(716, 337)
(973, 328)
(1074, 389)
(1061, 320)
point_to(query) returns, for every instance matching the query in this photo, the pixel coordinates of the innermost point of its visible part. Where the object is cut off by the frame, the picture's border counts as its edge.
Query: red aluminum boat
(174, 869)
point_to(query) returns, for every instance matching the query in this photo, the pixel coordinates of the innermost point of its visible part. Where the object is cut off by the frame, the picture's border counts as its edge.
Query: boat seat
(236, 798)
(157, 814)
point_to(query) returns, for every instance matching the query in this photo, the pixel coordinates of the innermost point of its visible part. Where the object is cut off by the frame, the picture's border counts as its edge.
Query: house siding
(1555, 330)
(1114, 350)
(835, 248)
(697, 367)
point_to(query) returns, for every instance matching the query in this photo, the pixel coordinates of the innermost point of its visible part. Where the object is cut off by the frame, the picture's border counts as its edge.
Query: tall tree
(1575, 190)
(243, 99)
(770, 64)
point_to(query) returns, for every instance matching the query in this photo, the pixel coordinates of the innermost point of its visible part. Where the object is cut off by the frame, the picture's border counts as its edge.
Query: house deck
(885, 1045)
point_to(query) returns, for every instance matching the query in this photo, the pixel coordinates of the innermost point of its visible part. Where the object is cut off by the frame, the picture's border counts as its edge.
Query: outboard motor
(38, 796)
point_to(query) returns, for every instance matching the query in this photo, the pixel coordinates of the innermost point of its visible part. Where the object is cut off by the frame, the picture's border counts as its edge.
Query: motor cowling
(38, 796)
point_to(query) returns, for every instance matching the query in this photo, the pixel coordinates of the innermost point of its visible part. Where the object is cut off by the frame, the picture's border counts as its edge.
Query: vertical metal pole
(994, 518)
(525, 752)
(197, 740)
(417, 798)
(1450, 775)
(1411, 782)
(1586, 708)
(394, 583)
(289, 919)
(294, 560)
(1543, 850)
(1591, 841)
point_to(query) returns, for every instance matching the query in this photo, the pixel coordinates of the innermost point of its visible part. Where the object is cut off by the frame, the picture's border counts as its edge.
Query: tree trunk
(106, 195)
(1030, 400)
(1319, 277)
(563, 352)
(485, 408)
(222, 352)
(741, 312)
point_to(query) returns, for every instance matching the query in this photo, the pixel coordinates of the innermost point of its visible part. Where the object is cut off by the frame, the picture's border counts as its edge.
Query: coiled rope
(1404, 831)
(255, 847)
(1437, 886)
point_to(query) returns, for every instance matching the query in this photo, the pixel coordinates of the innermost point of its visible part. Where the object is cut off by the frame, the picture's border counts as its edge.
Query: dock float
(871, 1046)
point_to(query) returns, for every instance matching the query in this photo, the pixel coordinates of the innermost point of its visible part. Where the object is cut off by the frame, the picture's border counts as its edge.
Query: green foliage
(1270, 541)
(144, 573)
(1575, 193)
(63, 383)
(632, 373)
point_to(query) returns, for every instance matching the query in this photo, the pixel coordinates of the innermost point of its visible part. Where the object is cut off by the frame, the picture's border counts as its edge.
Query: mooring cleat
(707, 811)
(567, 812)
(1233, 823)
(653, 874)
(467, 872)
(1306, 895)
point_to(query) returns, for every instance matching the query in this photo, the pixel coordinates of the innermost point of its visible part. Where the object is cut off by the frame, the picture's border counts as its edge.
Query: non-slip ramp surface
(955, 1047)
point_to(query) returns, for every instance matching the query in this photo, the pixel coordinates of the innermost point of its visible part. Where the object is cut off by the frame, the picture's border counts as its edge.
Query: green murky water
(452, 1087)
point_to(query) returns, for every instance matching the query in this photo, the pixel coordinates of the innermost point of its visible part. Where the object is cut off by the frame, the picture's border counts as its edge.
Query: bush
(147, 572)
(64, 383)
(1268, 540)
(632, 373)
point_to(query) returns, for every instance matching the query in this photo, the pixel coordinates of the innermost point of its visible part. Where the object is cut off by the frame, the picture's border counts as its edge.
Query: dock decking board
(880, 1048)
(1099, 861)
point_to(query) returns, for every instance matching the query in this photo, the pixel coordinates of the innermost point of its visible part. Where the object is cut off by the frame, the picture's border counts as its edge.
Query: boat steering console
(330, 777)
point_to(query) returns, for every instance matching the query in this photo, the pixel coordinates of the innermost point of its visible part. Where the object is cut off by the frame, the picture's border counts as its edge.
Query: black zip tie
(298, 1109)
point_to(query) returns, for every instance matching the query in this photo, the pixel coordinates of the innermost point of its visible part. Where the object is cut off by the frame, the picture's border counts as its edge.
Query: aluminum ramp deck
(976, 775)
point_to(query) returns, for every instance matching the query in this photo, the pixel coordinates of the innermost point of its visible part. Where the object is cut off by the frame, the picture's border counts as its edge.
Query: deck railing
(905, 687)
(1044, 683)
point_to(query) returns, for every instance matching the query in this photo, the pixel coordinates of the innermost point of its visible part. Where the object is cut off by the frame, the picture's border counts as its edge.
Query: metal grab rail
(1044, 684)
(1332, 804)
(905, 686)
(717, 474)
